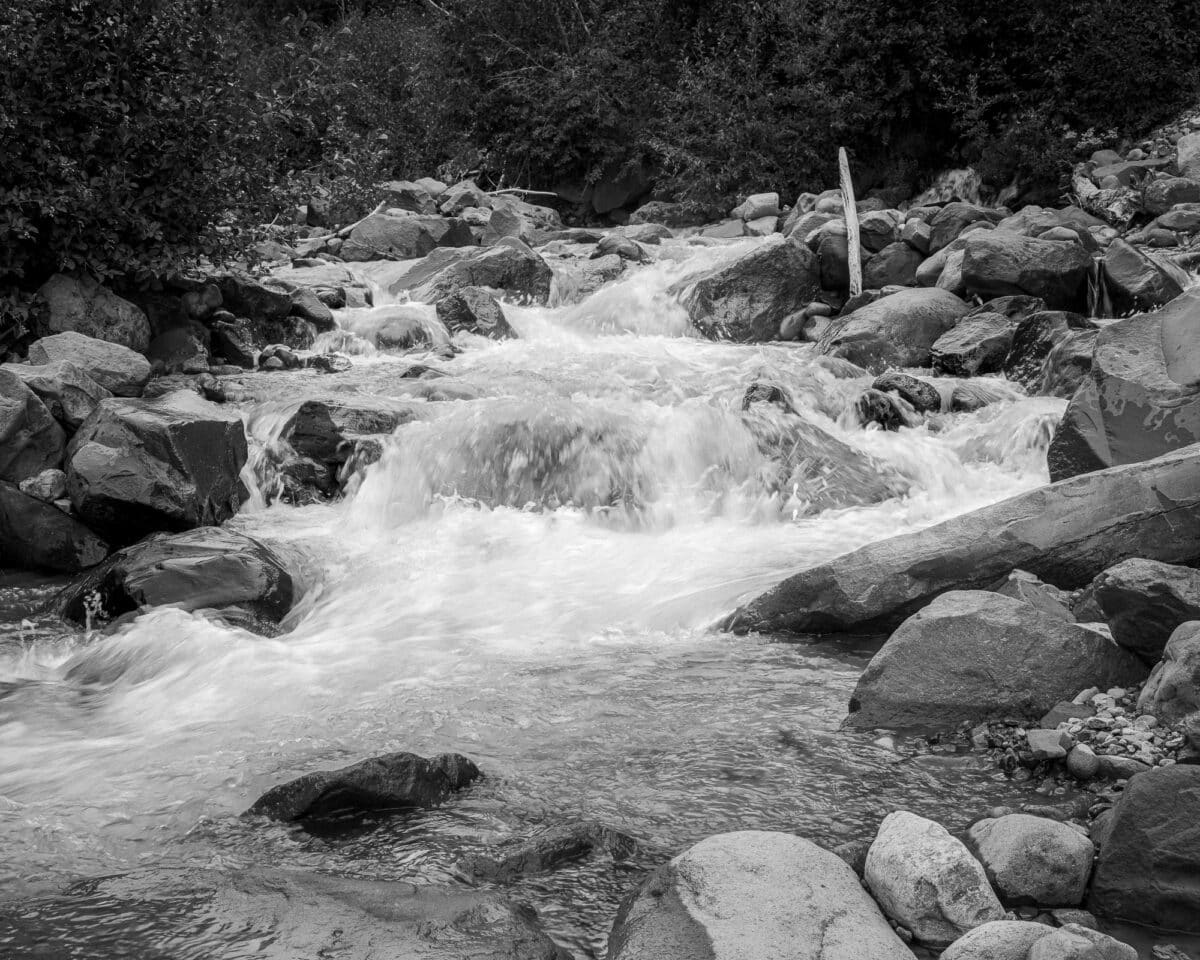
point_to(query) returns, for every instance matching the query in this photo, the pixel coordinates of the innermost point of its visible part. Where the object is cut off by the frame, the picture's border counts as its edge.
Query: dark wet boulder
(36, 535)
(68, 393)
(78, 303)
(474, 310)
(206, 568)
(180, 350)
(234, 343)
(1173, 691)
(980, 392)
(395, 781)
(1148, 871)
(888, 410)
(919, 394)
(1142, 396)
(1051, 352)
(30, 438)
(898, 330)
(894, 265)
(172, 463)
(997, 264)
(948, 223)
(384, 236)
(1136, 281)
(510, 266)
(326, 430)
(547, 849)
(1144, 601)
(1143, 510)
(977, 345)
(747, 299)
(116, 368)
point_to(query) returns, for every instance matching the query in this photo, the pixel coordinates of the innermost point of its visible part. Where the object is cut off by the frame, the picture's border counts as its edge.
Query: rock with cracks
(30, 439)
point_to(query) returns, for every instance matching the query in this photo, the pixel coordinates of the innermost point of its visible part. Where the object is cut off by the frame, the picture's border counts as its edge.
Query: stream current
(528, 576)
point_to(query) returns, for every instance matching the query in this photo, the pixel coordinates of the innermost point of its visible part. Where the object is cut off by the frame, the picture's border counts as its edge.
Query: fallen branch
(346, 231)
(536, 193)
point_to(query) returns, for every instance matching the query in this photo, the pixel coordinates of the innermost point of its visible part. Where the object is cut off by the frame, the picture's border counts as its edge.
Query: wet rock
(37, 535)
(665, 212)
(114, 367)
(1136, 281)
(1143, 601)
(278, 356)
(757, 205)
(180, 349)
(328, 363)
(206, 568)
(395, 781)
(137, 466)
(762, 392)
(974, 655)
(978, 344)
(476, 311)
(621, 246)
(898, 330)
(886, 409)
(975, 394)
(998, 264)
(384, 236)
(896, 264)
(546, 849)
(1034, 340)
(919, 394)
(1140, 399)
(927, 881)
(651, 234)
(746, 300)
(79, 304)
(997, 940)
(246, 296)
(1173, 690)
(68, 393)
(406, 195)
(30, 439)
(753, 894)
(326, 430)
(1033, 859)
(1076, 942)
(234, 342)
(951, 220)
(509, 266)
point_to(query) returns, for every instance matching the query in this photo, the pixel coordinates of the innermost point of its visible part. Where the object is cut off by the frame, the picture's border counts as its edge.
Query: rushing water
(527, 576)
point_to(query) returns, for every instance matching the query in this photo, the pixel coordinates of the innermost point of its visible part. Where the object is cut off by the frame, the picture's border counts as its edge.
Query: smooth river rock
(998, 263)
(752, 895)
(1033, 859)
(997, 940)
(898, 330)
(1065, 534)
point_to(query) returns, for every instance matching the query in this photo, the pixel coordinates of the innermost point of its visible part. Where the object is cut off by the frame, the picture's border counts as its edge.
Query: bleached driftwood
(850, 212)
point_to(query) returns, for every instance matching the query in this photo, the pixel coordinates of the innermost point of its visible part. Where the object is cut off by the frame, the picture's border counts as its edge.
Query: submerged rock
(37, 535)
(474, 310)
(395, 781)
(510, 266)
(547, 849)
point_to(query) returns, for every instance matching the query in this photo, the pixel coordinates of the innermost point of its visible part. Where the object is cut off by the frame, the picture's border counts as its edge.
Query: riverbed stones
(1149, 867)
(1136, 281)
(172, 463)
(30, 439)
(67, 391)
(78, 303)
(1150, 509)
(999, 263)
(36, 535)
(1173, 690)
(753, 894)
(898, 330)
(997, 940)
(927, 881)
(392, 782)
(747, 299)
(474, 310)
(116, 368)
(973, 655)
(206, 568)
(1140, 398)
(1143, 601)
(1033, 860)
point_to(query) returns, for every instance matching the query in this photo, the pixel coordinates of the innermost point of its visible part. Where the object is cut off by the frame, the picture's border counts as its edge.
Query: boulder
(919, 394)
(879, 229)
(1051, 352)
(753, 894)
(1143, 602)
(116, 368)
(651, 234)
(951, 220)
(30, 439)
(757, 205)
(1140, 399)
(172, 463)
(206, 568)
(37, 535)
(395, 781)
(667, 213)
(621, 246)
(326, 430)
(385, 236)
(918, 235)
(1148, 871)
(972, 655)
(894, 265)
(898, 330)
(1077, 942)
(476, 311)
(978, 344)
(1033, 860)
(927, 881)
(997, 940)
(79, 304)
(997, 264)
(234, 343)
(1136, 281)
(509, 266)
(747, 299)
(1159, 196)
(1143, 510)
(464, 194)
(180, 349)
(68, 393)
(406, 195)
(1173, 690)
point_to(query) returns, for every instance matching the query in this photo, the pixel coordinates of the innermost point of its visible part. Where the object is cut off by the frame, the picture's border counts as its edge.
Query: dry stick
(536, 193)
(850, 212)
(346, 231)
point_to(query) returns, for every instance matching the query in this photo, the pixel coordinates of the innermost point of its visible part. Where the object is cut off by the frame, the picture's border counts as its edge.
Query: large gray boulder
(406, 195)
(35, 535)
(1173, 690)
(385, 236)
(997, 940)
(510, 267)
(1187, 156)
(1143, 602)
(997, 264)
(927, 881)
(1148, 510)
(172, 463)
(1033, 859)
(30, 439)
(898, 330)
(1136, 281)
(80, 304)
(747, 299)
(972, 655)
(116, 368)
(978, 344)
(68, 393)
(753, 894)
(894, 265)
(1149, 866)
(474, 310)
(1142, 397)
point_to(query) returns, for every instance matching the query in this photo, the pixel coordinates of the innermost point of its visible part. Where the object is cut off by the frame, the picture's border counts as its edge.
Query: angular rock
(917, 234)
(234, 342)
(757, 205)
(180, 349)
(510, 266)
(30, 439)
(68, 393)
(919, 394)
(80, 304)
(476, 311)
(326, 430)
(406, 195)
(137, 466)
(114, 367)
(1047, 744)
(997, 264)
(973, 655)
(1035, 339)
(37, 535)
(1143, 602)
(384, 236)
(665, 212)
(898, 330)
(1033, 859)
(49, 485)
(1137, 281)
(1173, 690)
(978, 344)
(1140, 399)
(206, 568)
(894, 265)
(464, 194)
(879, 229)
(951, 220)
(753, 894)
(927, 881)
(394, 781)
(997, 940)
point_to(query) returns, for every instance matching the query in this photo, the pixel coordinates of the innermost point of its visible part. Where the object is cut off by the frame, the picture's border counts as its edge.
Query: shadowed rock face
(395, 781)
(39, 536)
(1065, 534)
